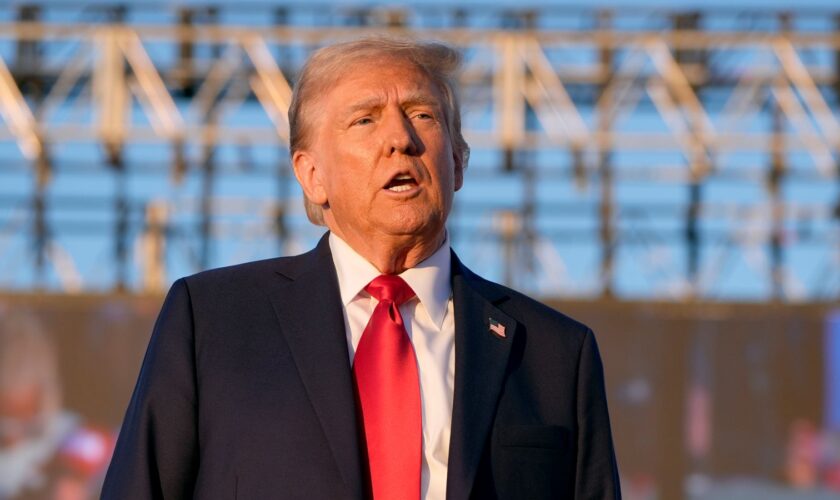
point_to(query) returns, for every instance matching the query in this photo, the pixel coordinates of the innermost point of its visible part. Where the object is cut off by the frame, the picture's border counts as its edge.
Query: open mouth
(401, 183)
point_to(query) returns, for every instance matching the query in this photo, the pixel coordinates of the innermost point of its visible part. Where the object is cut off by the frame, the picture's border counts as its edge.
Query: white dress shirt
(430, 324)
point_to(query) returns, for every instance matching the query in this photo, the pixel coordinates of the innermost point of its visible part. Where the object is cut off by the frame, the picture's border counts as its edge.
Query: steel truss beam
(702, 100)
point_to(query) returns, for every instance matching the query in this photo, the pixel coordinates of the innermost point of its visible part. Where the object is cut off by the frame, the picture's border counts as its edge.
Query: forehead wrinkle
(415, 97)
(366, 104)
(418, 90)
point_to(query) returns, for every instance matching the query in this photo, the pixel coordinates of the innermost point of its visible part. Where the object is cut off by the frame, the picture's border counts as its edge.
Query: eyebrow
(420, 99)
(364, 105)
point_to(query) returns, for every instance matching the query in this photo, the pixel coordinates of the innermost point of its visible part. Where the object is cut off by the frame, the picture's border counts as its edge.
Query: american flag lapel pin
(497, 328)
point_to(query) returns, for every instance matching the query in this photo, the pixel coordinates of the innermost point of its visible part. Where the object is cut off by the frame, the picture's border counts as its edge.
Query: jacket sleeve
(156, 455)
(597, 469)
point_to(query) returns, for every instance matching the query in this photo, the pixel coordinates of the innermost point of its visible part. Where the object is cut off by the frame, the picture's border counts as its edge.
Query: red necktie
(385, 373)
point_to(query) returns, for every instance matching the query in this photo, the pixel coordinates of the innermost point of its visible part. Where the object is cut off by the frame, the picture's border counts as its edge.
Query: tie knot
(391, 288)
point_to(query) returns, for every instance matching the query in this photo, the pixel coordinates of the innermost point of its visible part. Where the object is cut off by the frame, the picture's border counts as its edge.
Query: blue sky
(547, 3)
(574, 273)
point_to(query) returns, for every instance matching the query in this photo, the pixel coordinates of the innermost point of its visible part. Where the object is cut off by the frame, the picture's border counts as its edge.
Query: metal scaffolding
(684, 148)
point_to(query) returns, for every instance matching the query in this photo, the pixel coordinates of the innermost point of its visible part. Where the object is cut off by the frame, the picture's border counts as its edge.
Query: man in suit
(376, 365)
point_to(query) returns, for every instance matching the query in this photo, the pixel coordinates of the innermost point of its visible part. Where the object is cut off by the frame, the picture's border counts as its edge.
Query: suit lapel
(481, 356)
(308, 307)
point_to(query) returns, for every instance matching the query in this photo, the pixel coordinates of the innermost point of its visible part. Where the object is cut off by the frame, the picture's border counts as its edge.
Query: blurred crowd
(813, 459)
(46, 452)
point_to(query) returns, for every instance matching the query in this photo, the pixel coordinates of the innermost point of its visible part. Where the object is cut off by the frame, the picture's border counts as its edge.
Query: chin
(412, 222)
(424, 232)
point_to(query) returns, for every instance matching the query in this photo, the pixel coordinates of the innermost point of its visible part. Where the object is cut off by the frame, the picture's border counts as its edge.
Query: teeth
(403, 177)
(399, 189)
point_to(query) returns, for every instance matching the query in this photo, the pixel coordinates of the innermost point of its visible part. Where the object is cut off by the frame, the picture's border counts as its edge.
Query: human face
(21, 414)
(380, 158)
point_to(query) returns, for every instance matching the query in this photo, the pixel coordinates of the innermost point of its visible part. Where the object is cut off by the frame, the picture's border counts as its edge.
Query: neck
(394, 254)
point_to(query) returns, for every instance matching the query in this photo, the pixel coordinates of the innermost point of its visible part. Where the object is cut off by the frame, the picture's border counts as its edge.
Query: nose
(400, 135)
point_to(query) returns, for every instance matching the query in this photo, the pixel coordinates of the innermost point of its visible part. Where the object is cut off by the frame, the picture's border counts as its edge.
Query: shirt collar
(429, 279)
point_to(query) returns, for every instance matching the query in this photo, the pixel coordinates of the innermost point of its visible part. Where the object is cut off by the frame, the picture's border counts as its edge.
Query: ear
(459, 171)
(309, 176)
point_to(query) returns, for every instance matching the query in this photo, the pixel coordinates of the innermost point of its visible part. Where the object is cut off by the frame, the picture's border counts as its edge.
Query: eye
(365, 120)
(422, 115)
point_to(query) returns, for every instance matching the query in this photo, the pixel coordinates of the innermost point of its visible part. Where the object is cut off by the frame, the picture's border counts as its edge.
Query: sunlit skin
(381, 120)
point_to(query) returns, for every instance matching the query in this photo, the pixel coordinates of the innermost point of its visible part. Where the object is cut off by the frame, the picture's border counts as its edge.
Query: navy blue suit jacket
(246, 393)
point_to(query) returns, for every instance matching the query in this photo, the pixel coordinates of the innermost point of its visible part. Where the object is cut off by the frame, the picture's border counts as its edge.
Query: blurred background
(666, 172)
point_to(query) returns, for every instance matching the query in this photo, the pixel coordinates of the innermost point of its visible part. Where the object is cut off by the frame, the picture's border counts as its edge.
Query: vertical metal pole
(27, 72)
(836, 81)
(692, 235)
(121, 220)
(697, 57)
(185, 81)
(114, 110)
(153, 251)
(40, 232)
(509, 103)
(606, 224)
(281, 16)
(116, 13)
(775, 178)
(606, 54)
(208, 180)
(689, 21)
(459, 17)
(205, 229)
(604, 120)
(28, 56)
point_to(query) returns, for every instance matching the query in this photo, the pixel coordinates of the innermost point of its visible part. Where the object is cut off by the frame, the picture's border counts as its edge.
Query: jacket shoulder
(249, 274)
(527, 310)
